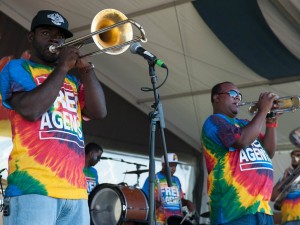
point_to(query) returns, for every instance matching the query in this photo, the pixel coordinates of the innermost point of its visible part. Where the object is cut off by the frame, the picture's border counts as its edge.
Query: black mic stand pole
(157, 119)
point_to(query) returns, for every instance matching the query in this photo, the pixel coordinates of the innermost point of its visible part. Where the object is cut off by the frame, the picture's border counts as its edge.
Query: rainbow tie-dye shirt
(48, 154)
(290, 208)
(169, 197)
(91, 175)
(240, 181)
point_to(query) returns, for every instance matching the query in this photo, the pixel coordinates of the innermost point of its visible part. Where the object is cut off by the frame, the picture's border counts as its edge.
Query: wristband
(272, 125)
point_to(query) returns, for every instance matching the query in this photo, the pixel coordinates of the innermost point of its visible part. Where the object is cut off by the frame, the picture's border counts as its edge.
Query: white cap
(172, 157)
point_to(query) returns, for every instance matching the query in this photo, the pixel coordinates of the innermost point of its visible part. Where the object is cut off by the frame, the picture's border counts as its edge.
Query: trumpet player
(286, 192)
(238, 158)
(46, 183)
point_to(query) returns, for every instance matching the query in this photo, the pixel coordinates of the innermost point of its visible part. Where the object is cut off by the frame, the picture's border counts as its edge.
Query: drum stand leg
(157, 119)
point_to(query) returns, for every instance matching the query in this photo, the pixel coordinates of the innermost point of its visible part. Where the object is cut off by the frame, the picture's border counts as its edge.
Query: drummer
(93, 153)
(170, 200)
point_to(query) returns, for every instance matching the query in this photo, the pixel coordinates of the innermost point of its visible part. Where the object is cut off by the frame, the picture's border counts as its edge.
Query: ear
(93, 155)
(30, 36)
(216, 98)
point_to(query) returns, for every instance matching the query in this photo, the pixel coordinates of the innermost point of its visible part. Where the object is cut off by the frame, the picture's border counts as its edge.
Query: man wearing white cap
(168, 200)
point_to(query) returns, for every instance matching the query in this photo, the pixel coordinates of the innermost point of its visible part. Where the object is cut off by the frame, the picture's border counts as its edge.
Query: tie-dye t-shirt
(48, 154)
(240, 181)
(290, 208)
(91, 175)
(170, 197)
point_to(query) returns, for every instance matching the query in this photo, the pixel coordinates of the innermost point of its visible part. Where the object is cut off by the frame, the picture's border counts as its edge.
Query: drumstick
(184, 218)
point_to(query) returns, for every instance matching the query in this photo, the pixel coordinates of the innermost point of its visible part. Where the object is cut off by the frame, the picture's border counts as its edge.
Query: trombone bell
(114, 36)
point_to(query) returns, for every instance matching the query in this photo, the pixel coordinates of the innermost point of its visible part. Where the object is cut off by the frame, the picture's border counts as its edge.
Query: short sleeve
(14, 78)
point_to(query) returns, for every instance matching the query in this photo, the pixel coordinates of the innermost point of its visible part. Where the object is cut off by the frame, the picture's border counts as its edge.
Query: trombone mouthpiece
(52, 49)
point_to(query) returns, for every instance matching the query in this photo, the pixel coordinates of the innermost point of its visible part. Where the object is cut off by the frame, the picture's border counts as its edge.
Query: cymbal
(136, 172)
(205, 214)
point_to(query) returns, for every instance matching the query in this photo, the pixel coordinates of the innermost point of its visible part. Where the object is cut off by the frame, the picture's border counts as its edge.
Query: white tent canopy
(197, 59)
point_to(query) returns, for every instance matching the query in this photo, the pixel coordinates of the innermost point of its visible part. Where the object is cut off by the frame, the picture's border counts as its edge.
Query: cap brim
(67, 33)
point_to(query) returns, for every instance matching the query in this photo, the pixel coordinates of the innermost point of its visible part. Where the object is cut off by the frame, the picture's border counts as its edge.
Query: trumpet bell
(115, 36)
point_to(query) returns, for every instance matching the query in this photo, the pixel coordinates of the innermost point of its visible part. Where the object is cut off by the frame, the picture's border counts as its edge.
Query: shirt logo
(56, 19)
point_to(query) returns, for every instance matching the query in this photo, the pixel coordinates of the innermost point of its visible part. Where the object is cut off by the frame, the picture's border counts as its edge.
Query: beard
(44, 54)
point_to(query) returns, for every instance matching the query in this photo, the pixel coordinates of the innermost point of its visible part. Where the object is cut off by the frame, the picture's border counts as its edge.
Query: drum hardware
(3, 185)
(284, 104)
(136, 172)
(111, 31)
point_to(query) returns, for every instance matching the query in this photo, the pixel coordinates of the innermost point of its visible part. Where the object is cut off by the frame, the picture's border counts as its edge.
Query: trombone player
(286, 192)
(46, 183)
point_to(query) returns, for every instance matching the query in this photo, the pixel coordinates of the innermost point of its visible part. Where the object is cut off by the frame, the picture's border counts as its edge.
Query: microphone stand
(138, 165)
(157, 119)
(2, 193)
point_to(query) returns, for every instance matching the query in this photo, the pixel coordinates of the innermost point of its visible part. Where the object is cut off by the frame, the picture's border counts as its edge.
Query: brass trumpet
(285, 104)
(111, 31)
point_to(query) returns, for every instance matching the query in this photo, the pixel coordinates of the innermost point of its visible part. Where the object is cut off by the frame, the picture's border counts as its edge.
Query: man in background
(168, 200)
(93, 153)
(286, 192)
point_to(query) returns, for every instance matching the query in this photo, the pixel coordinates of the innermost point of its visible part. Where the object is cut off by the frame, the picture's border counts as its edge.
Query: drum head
(105, 205)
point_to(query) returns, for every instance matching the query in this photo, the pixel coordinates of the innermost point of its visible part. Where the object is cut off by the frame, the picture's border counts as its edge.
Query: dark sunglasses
(233, 93)
(295, 155)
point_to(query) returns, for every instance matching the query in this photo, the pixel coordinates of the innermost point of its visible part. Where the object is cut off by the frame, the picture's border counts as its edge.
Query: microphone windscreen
(134, 47)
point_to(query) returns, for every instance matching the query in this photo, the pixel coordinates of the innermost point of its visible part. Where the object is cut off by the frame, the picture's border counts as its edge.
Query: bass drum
(111, 204)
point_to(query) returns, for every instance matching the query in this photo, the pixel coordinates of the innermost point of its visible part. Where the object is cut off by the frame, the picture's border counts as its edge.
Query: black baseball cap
(51, 18)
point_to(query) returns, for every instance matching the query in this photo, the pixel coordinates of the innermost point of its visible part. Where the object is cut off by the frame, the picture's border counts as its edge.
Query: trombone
(285, 104)
(111, 31)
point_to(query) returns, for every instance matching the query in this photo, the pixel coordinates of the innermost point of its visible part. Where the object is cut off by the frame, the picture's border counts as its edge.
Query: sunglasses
(233, 93)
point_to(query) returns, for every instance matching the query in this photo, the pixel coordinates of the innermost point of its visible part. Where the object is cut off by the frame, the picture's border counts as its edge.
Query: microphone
(136, 48)
(105, 158)
(2, 170)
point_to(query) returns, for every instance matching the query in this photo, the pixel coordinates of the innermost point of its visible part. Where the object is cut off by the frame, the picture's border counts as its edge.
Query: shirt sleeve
(14, 78)
(146, 187)
(179, 187)
(227, 132)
